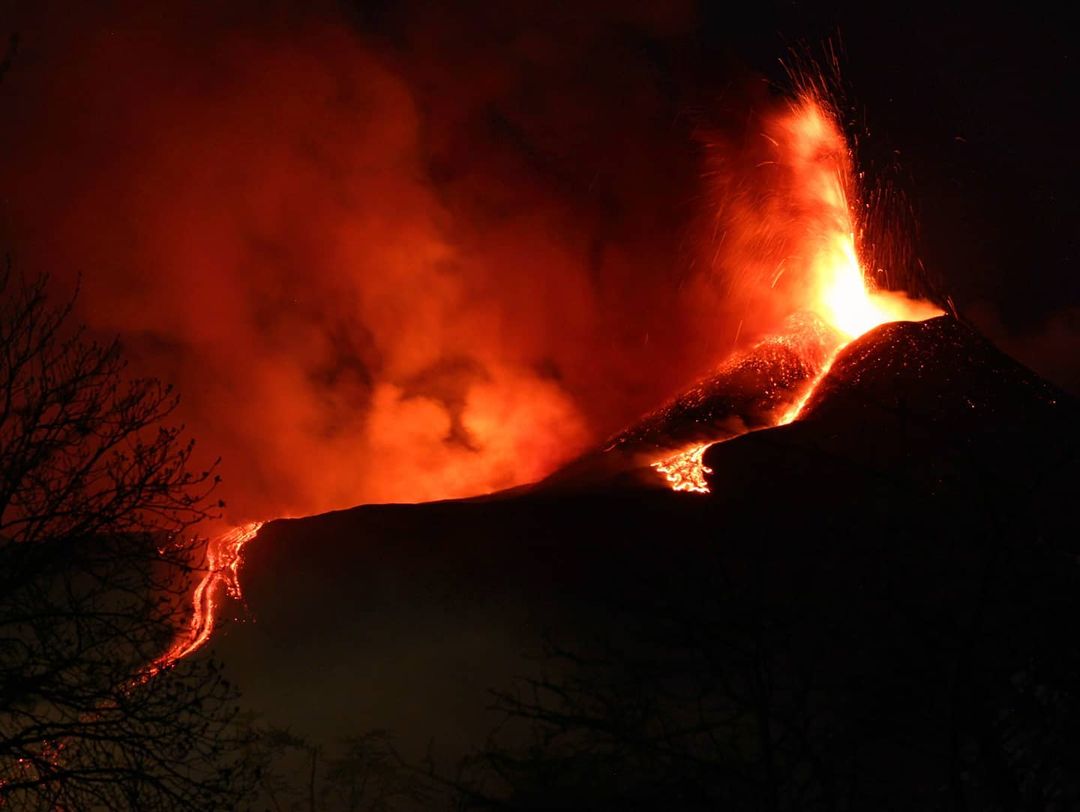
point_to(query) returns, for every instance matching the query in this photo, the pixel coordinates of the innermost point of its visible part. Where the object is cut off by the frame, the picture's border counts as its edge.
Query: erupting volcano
(537, 406)
(832, 290)
(809, 217)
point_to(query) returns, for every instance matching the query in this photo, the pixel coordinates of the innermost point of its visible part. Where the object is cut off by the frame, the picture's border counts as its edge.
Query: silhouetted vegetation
(97, 503)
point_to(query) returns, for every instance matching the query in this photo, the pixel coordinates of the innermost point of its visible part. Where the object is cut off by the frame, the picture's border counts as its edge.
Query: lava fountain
(812, 149)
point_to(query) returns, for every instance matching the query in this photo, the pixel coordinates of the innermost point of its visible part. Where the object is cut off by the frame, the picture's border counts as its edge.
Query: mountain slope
(899, 563)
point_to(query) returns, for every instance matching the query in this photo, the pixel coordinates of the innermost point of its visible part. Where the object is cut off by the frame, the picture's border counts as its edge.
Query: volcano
(837, 572)
(876, 601)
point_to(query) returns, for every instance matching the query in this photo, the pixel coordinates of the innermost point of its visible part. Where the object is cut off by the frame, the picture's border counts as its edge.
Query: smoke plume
(381, 263)
(397, 255)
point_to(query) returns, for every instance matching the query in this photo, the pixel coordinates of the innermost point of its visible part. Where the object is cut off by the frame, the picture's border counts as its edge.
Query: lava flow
(223, 557)
(810, 148)
(686, 470)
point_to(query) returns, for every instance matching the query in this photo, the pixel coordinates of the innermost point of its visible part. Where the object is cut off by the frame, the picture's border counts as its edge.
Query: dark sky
(969, 110)
(977, 105)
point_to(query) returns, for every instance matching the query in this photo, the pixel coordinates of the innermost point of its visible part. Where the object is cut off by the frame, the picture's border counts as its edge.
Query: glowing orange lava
(223, 569)
(791, 414)
(838, 290)
(686, 470)
(815, 154)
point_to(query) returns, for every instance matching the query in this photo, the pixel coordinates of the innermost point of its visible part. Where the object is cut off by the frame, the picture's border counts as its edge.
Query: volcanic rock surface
(746, 392)
(855, 551)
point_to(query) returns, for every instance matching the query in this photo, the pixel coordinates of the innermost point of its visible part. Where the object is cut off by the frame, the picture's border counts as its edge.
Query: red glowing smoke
(429, 263)
(426, 265)
(369, 281)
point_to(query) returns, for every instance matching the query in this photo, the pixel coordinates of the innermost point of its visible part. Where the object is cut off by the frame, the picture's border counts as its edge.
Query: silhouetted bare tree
(97, 501)
(361, 773)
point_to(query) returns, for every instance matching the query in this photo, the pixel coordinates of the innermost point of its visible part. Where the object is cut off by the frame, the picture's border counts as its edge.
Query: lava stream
(795, 410)
(223, 569)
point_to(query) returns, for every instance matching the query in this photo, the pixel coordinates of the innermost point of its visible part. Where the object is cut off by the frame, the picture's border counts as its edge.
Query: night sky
(974, 105)
(969, 109)
(977, 103)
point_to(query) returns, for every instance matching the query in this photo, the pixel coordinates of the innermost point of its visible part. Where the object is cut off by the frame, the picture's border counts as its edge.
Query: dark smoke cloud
(1051, 348)
(384, 256)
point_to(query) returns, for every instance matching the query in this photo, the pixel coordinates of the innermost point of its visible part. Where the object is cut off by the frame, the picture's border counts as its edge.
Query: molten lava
(686, 470)
(820, 164)
(811, 150)
(223, 558)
